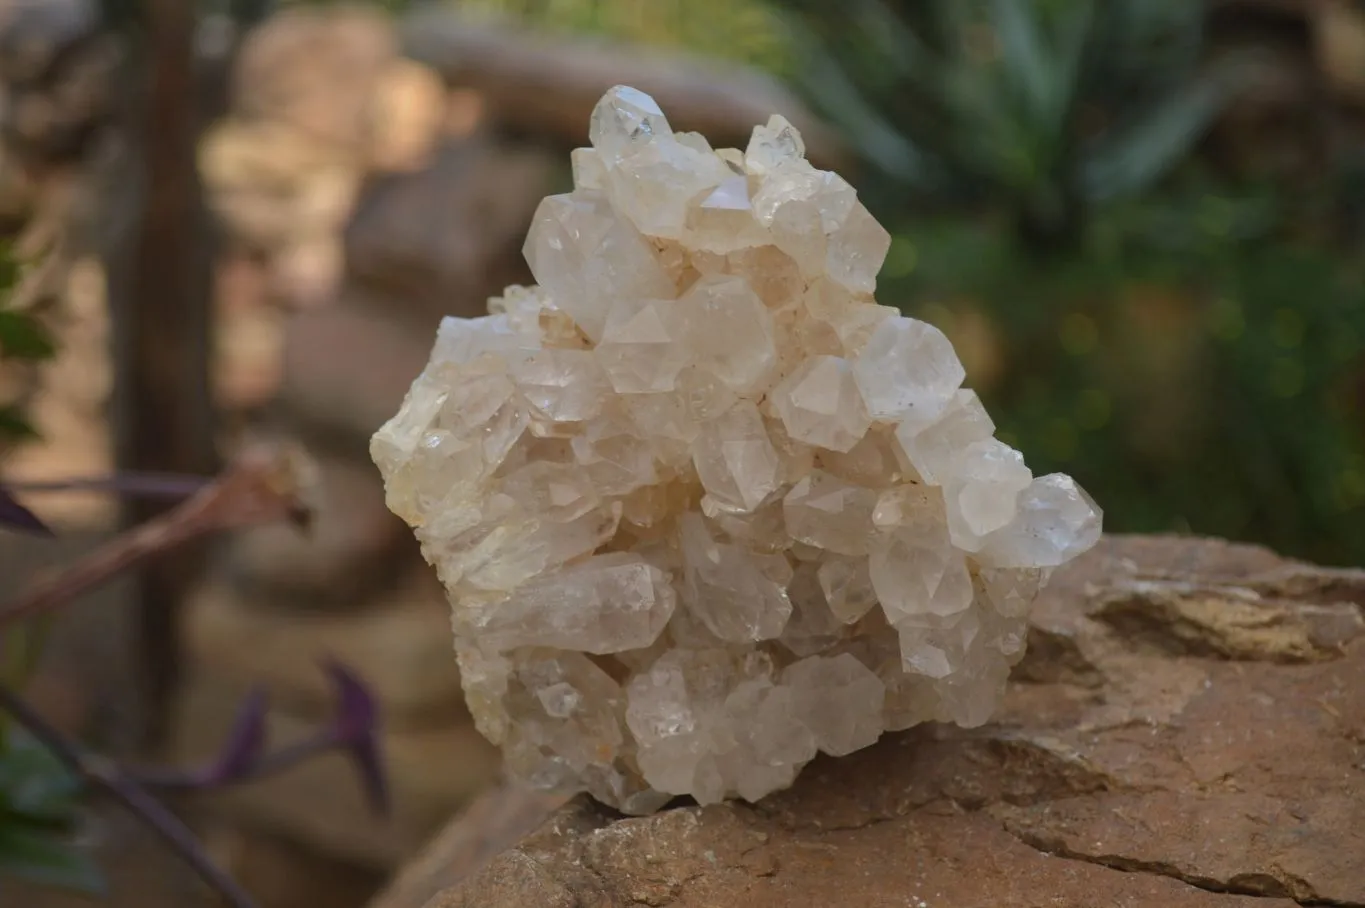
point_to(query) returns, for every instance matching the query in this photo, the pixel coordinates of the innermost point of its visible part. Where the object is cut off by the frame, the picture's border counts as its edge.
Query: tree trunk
(159, 290)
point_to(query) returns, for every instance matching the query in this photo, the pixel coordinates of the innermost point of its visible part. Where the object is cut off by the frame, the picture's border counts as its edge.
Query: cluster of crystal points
(702, 507)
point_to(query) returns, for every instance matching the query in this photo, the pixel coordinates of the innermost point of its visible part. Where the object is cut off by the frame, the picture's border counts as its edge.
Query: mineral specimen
(702, 507)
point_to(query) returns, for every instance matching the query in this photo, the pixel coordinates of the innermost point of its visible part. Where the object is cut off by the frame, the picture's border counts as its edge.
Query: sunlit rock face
(702, 507)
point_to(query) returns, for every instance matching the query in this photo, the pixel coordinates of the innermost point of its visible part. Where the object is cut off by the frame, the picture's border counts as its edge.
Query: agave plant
(1044, 107)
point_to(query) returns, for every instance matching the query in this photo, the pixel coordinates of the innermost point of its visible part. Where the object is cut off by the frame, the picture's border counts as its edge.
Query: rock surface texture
(1187, 730)
(702, 507)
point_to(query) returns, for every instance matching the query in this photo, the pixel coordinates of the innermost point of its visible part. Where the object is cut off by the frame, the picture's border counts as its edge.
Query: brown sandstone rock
(1188, 730)
(500, 815)
(399, 643)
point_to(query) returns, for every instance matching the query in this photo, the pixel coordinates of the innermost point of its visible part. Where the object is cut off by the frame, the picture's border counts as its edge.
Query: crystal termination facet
(702, 507)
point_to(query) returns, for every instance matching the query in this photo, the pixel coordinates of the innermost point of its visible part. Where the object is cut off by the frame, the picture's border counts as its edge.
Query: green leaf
(40, 857)
(10, 267)
(1133, 157)
(832, 90)
(13, 426)
(34, 785)
(23, 337)
(1025, 58)
(21, 644)
(1073, 39)
(1036, 84)
(899, 49)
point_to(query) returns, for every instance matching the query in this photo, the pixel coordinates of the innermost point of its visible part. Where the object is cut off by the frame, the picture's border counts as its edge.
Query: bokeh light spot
(901, 258)
(1225, 320)
(1093, 409)
(1060, 440)
(1285, 377)
(1078, 334)
(1288, 328)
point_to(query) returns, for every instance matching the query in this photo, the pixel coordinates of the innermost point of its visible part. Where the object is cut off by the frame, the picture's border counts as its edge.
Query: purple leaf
(355, 728)
(244, 747)
(18, 517)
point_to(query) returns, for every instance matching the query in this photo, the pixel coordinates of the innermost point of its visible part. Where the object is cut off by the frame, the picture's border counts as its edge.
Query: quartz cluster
(702, 507)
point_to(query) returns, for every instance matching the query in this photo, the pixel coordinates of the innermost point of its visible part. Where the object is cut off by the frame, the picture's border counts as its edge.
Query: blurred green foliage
(748, 31)
(1042, 109)
(1191, 348)
(745, 30)
(1193, 376)
(23, 339)
(40, 807)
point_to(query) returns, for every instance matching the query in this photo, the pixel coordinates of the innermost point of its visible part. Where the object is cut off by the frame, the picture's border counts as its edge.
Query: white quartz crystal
(702, 507)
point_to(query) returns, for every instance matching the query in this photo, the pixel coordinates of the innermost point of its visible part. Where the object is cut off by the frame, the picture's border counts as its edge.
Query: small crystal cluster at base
(702, 507)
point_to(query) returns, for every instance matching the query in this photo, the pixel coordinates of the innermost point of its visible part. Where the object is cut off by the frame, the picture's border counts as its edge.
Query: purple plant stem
(105, 775)
(211, 779)
(134, 547)
(268, 764)
(262, 486)
(352, 731)
(169, 486)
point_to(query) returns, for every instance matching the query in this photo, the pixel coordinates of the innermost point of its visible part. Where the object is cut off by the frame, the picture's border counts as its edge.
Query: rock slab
(1187, 730)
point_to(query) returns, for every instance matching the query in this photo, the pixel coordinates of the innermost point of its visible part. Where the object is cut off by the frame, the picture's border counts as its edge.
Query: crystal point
(605, 604)
(820, 405)
(736, 460)
(625, 120)
(775, 143)
(908, 371)
(728, 331)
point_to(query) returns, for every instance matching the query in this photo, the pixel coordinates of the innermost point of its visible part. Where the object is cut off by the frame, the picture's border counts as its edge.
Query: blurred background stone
(438, 238)
(57, 88)
(352, 549)
(347, 366)
(397, 643)
(281, 873)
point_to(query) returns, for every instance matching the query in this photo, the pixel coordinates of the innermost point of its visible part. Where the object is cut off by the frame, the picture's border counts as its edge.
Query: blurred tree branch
(262, 486)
